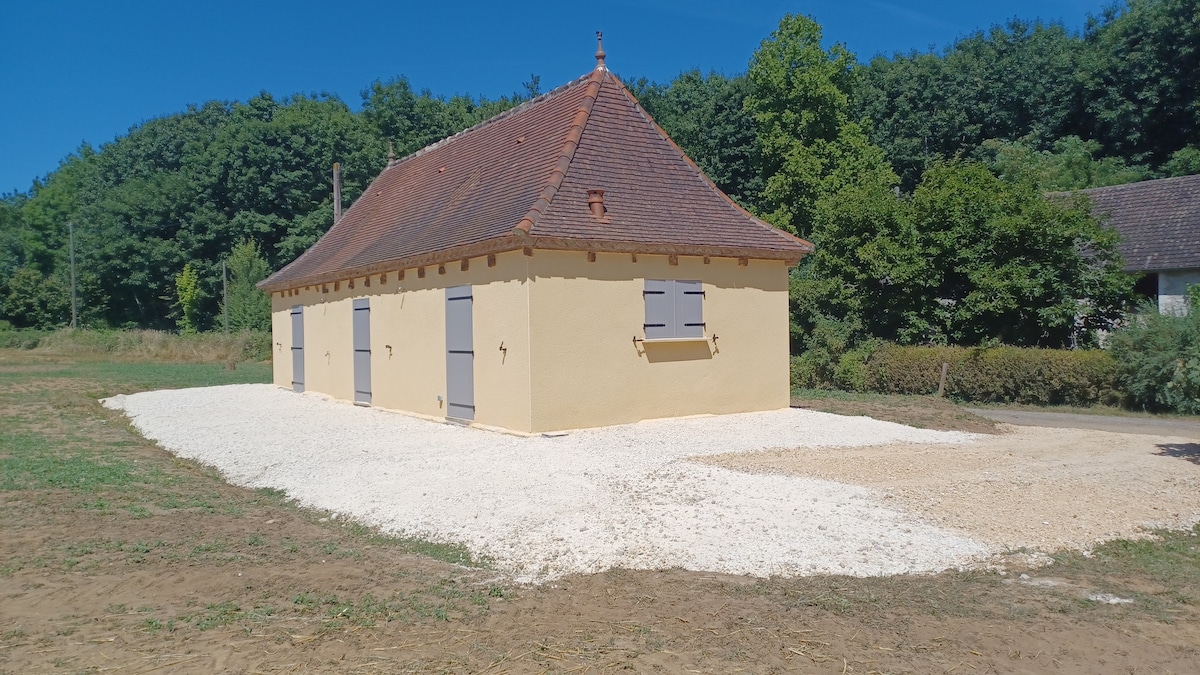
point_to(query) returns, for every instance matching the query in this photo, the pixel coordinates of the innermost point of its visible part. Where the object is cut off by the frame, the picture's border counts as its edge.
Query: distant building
(1159, 224)
(562, 265)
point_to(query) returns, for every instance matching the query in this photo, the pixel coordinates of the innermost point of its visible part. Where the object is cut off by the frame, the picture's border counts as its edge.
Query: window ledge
(673, 339)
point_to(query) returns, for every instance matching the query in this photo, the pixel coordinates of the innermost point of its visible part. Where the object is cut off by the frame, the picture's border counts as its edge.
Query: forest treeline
(919, 176)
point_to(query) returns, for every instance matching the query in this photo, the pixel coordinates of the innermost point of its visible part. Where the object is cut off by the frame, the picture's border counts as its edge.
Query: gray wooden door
(460, 354)
(362, 351)
(297, 348)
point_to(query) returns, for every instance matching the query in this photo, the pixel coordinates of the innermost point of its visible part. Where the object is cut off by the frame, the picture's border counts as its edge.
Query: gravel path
(542, 508)
(1027, 488)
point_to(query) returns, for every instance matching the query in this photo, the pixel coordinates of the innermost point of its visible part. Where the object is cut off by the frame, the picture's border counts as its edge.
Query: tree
(1072, 164)
(1013, 81)
(412, 121)
(12, 235)
(1011, 265)
(808, 143)
(1184, 162)
(707, 117)
(1140, 79)
(249, 308)
(967, 259)
(33, 300)
(187, 289)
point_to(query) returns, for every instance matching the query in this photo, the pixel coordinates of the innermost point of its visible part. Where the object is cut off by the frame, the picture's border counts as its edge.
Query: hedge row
(993, 375)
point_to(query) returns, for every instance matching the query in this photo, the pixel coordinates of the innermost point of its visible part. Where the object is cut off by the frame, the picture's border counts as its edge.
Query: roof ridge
(700, 172)
(1131, 185)
(574, 134)
(495, 118)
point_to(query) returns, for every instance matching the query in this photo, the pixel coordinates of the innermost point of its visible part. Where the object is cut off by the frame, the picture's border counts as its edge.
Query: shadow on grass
(1188, 451)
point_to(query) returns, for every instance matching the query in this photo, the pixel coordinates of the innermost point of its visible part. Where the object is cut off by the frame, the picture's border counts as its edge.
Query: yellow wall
(281, 340)
(587, 370)
(409, 316)
(567, 327)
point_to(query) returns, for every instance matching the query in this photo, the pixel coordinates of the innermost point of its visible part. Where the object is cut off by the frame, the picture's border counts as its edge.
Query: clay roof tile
(521, 179)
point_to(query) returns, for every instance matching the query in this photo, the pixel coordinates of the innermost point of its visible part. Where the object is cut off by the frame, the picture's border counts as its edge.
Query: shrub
(1159, 358)
(997, 374)
(825, 345)
(21, 339)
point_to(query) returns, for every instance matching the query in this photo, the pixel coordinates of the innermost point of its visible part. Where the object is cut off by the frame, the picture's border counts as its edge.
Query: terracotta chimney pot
(596, 203)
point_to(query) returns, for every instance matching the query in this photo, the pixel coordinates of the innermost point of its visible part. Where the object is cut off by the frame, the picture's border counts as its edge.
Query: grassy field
(116, 556)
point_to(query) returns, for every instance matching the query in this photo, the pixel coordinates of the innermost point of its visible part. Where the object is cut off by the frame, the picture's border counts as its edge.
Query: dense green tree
(1010, 82)
(1184, 162)
(248, 307)
(33, 300)
(1072, 164)
(967, 259)
(268, 170)
(52, 204)
(706, 116)
(412, 121)
(809, 145)
(1141, 80)
(12, 234)
(1010, 265)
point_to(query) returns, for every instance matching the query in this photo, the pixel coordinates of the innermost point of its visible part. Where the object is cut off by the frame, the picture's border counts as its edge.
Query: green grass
(1167, 567)
(54, 435)
(33, 462)
(127, 377)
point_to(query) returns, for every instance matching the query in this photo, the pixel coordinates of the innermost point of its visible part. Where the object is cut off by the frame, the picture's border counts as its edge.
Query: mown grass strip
(31, 462)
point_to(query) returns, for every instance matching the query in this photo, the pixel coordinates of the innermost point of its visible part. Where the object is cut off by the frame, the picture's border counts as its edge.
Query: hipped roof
(521, 180)
(1158, 220)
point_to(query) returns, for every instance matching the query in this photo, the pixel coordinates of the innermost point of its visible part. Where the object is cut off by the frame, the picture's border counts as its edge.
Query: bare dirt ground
(1024, 488)
(116, 557)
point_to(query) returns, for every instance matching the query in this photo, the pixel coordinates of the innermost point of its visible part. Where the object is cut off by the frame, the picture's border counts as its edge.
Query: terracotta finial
(600, 50)
(391, 154)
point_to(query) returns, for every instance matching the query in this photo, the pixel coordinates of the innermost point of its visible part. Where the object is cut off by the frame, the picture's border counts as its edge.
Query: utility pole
(74, 301)
(337, 192)
(224, 298)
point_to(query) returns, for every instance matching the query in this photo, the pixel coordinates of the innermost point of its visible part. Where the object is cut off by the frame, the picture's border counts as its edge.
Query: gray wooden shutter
(460, 354)
(689, 309)
(297, 347)
(660, 309)
(362, 350)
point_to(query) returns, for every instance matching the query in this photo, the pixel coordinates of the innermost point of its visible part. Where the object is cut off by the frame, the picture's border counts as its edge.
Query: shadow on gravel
(1188, 451)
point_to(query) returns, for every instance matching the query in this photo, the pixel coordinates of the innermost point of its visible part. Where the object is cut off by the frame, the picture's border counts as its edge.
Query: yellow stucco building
(560, 266)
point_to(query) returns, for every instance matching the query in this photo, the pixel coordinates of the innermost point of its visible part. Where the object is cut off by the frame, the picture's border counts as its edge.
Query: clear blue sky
(83, 70)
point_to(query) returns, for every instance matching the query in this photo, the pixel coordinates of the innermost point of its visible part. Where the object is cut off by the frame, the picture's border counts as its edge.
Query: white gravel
(542, 508)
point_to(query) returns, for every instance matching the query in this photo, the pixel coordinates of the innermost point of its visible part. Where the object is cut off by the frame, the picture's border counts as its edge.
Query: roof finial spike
(600, 51)
(391, 154)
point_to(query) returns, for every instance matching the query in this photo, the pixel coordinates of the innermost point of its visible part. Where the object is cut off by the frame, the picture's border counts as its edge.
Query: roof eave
(789, 256)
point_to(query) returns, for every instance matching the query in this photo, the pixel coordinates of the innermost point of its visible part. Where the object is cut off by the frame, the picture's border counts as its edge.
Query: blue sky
(82, 70)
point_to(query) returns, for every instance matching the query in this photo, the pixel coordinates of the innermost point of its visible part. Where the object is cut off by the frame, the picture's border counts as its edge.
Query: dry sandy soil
(1024, 488)
(151, 564)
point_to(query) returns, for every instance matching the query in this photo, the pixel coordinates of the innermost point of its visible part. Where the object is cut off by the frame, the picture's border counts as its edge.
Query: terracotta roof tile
(521, 180)
(1158, 220)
